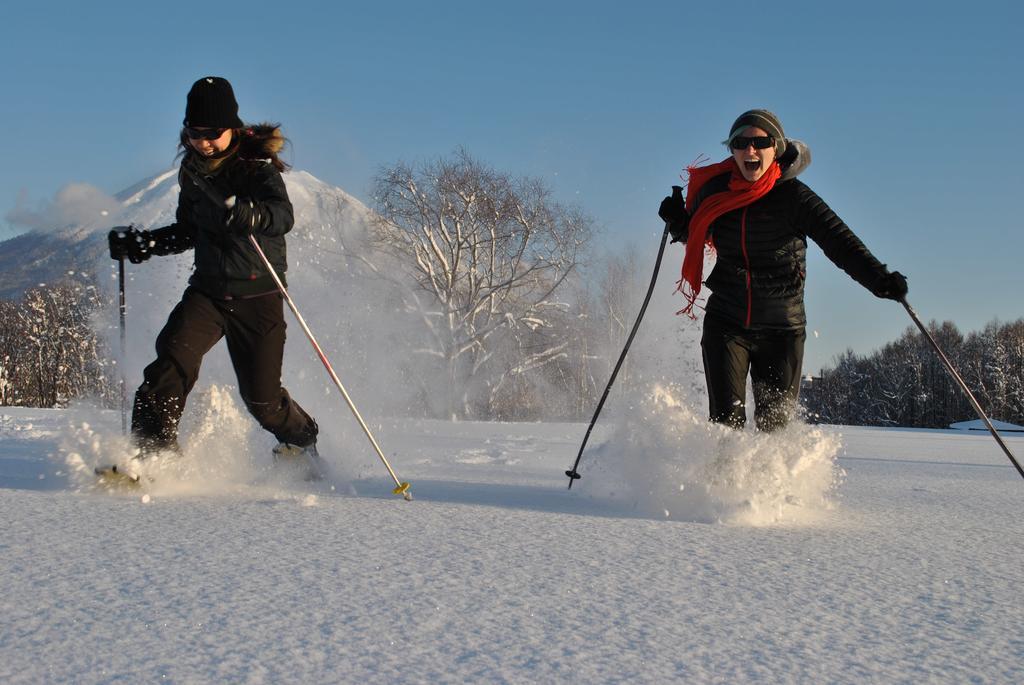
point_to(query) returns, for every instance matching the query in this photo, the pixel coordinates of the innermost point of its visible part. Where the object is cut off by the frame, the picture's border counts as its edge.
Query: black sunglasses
(759, 142)
(204, 133)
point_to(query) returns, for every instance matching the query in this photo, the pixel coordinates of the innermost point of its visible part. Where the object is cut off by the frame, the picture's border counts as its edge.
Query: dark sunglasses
(204, 133)
(759, 142)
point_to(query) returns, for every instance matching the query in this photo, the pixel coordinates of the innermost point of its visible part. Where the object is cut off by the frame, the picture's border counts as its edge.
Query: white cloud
(76, 204)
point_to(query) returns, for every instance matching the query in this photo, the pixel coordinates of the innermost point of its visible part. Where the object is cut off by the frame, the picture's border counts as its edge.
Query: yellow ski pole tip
(403, 490)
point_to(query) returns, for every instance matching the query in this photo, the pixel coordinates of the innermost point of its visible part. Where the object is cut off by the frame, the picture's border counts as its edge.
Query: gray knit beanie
(762, 119)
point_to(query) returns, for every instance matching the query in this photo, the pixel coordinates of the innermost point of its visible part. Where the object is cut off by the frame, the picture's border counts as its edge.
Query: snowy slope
(902, 564)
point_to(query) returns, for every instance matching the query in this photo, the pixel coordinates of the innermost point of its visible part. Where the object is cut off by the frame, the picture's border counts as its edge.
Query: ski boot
(304, 459)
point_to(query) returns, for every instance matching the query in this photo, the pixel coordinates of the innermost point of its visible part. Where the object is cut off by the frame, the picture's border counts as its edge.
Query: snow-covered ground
(683, 555)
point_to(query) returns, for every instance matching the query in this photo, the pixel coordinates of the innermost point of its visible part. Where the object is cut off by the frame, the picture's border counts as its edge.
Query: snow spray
(223, 450)
(668, 460)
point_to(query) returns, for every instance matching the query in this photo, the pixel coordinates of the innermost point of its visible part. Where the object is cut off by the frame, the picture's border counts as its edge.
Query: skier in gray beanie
(757, 216)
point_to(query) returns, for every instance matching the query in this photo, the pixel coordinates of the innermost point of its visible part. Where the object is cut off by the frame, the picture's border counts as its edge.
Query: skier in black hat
(231, 294)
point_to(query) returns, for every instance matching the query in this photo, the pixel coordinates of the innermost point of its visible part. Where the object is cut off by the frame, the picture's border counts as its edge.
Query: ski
(113, 474)
(302, 461)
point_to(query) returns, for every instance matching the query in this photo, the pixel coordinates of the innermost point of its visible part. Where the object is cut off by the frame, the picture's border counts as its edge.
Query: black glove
(118, 239)
(126, 241)
(246, 217)
(673, 212)
(891, 286)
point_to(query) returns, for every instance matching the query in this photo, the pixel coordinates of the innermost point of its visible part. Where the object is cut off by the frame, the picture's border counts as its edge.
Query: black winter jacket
(758, 279)
(225, 264)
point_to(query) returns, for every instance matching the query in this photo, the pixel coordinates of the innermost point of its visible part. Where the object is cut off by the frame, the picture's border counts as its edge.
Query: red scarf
(740, 194)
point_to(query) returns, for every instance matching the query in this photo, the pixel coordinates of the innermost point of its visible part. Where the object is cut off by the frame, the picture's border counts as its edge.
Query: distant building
(978, 425)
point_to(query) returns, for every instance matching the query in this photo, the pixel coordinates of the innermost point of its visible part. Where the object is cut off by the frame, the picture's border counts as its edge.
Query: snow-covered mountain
(328, 220)
(331, 277)
(47, 257)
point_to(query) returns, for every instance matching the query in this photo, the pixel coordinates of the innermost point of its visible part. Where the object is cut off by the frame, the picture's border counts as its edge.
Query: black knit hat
(762, 119)
(211, 104)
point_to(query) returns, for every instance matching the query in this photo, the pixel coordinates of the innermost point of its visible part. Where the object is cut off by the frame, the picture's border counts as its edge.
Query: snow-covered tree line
(905, 384)
(49, 352)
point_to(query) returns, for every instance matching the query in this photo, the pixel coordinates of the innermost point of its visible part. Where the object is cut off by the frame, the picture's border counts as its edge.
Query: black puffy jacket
(226, 265)
(758, 279)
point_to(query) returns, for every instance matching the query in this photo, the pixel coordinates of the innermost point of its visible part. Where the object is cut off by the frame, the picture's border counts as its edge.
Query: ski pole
(400, 487)
(124, 346)
(963, 386)
(573, 473)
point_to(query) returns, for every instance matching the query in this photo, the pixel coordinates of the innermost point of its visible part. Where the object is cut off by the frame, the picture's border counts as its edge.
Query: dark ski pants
(255, 332)
(772, 358)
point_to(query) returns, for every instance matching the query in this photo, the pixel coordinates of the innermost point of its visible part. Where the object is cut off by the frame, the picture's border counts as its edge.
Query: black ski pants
(772, 358)
(255, 332)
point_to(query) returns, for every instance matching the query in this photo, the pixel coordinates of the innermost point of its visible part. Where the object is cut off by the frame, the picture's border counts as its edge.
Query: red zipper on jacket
(746, 262)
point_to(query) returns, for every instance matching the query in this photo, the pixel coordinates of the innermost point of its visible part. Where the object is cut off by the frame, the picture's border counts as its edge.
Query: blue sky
(907, 108)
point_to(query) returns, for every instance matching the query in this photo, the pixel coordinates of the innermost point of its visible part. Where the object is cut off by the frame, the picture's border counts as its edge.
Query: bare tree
(485, 255)
(10, 340)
